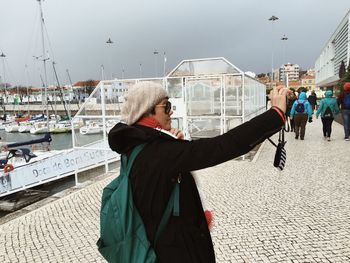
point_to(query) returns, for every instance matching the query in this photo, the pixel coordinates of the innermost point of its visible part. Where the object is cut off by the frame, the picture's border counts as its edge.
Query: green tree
(344, 79)
(261, 75)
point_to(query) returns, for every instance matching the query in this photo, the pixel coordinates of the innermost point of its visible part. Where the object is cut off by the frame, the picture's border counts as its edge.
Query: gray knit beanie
(140, 99)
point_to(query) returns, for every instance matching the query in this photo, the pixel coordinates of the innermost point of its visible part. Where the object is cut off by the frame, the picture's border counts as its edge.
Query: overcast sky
(238, 30)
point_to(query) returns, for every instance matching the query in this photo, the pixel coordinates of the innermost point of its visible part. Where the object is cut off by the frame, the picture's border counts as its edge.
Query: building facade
(290, 70)
(308, 82)
(335, 51)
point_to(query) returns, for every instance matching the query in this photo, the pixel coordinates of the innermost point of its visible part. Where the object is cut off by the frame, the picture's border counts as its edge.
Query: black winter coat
(155, 171)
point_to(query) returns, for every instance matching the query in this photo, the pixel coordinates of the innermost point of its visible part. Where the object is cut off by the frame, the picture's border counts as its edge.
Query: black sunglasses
(167, 107)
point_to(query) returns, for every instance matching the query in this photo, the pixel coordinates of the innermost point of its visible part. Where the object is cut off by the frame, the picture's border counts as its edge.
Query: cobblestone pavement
(261, 215)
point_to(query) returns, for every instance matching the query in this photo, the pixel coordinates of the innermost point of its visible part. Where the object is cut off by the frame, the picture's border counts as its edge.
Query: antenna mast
(44, 62)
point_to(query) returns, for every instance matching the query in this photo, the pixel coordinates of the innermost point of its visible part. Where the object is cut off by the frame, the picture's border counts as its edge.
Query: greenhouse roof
(198, 67)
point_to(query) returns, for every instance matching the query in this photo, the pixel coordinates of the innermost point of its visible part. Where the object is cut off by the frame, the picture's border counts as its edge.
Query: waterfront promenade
(261, 215)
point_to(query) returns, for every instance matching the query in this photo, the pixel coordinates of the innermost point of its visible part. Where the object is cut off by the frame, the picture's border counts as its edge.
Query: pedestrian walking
(344, 102)
(167, 160)
(312, 99)
(328, 108)
(291, 98)
(301, 112)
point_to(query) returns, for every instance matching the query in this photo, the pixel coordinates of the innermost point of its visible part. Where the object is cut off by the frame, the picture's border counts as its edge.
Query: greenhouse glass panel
(233, 122)
(233, 95)
(174, 87)
(204, 127)
(99, 113)
(203, 97)
(248, 96)
(204, 67)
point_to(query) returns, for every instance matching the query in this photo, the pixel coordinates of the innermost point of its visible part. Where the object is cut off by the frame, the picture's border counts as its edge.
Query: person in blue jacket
(328, 109)
(301, 112)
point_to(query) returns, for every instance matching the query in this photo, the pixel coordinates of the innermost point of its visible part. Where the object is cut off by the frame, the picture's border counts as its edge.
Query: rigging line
(9, 74)
(33, 36)
(49, 42)
(26, 76)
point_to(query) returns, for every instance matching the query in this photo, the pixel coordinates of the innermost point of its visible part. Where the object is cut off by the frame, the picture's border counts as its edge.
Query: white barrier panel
(53, 167)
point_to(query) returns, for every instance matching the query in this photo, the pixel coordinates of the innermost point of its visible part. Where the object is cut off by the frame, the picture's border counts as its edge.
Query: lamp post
(102, 72)
(164, 63)
(3, 56)
(272, 19)
(140, 67)
(109, 43)
(284, 38)
(155, 53)
(123, 70)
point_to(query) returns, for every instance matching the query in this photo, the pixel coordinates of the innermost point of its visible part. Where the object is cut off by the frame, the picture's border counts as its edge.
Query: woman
(328, 109)
(301, 112)
(167, 159)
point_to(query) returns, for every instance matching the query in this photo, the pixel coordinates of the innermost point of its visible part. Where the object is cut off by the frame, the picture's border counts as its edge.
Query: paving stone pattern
(261, 215)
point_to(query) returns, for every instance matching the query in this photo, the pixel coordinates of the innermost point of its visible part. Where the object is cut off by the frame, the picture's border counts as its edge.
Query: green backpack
(123, 234)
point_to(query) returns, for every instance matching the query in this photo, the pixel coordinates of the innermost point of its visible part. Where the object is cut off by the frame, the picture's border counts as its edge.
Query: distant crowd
(301, 108)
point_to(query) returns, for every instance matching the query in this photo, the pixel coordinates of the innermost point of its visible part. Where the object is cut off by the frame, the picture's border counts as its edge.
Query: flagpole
(164, 64)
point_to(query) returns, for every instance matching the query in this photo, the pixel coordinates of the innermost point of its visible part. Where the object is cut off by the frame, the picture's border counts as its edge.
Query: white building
(292, 70)
(335, 51)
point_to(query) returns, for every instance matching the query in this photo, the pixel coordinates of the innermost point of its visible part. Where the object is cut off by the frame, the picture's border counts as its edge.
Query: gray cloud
(238, 30)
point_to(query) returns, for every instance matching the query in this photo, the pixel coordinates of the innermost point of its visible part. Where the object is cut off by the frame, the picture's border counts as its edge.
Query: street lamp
(109, 43)
(284, 38)
(140, 65)
(3, 56)
(272, 19)
(164, 62)
(123, 70)
(155, 53)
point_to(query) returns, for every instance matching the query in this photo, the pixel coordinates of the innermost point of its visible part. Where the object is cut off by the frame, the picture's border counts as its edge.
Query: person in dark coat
(344, 103)
(312, 100)
(168, 159)
(291, 98)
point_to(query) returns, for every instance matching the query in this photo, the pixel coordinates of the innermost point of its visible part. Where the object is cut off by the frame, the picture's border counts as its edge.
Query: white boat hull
(11, 128)
(24, 128)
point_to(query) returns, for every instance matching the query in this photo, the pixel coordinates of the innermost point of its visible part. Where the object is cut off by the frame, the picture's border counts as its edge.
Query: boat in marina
(6, 120)
(42, 127)
(22, 119)
(91, 128)
(24, 127)
(110, 124)
(27, 125)
(61, 127)
(12, 127)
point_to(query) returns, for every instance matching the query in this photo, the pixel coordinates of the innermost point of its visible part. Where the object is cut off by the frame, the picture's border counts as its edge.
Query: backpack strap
(173, 206)
(127, 164)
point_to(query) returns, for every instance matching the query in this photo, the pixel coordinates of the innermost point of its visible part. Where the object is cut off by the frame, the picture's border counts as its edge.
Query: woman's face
(163, 113)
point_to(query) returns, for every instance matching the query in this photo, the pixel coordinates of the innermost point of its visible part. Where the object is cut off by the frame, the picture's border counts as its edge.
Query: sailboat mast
(44, 60)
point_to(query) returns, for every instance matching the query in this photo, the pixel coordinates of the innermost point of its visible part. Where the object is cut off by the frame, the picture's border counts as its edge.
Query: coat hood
(328, 94)
(347, 86)
(302, 96)
(122, 138)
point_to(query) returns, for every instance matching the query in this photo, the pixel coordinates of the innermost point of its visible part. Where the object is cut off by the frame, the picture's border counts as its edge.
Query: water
(60, 141)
